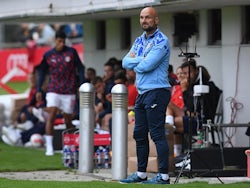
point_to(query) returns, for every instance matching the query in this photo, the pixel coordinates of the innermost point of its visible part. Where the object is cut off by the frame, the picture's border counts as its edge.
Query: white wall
(235, 73)
(96, 58)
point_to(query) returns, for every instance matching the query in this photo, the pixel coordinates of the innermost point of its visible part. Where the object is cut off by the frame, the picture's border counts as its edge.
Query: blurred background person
(45, 35)
(66, 74)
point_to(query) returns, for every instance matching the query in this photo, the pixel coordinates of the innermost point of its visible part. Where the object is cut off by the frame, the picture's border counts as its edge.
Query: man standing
(149, 58)
(66, 74)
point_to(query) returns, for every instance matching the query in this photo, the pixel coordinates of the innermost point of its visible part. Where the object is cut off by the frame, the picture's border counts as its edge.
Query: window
(246, 25)
(185, 25)
(214, 27)
(125, 33)
(100, 35)
(11, 33)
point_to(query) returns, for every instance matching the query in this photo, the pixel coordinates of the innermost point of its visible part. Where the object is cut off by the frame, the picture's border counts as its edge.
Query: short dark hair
(92, 70)
(96, 80)
(170, 68)
(60, 34)
(120, 75)
(191, 62)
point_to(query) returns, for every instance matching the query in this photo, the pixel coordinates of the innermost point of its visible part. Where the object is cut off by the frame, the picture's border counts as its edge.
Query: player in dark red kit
(66, 74)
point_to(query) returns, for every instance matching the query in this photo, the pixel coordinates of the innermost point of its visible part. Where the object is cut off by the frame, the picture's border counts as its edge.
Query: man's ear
(156, 20)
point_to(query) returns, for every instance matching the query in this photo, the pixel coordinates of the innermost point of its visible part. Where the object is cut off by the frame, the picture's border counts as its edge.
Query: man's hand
(109, 97)
(132, 54)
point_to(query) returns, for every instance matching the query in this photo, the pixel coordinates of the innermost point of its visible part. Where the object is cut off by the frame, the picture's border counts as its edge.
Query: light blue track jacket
(150, 62)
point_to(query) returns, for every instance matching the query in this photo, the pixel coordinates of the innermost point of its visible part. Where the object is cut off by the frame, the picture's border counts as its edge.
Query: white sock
(169, 119)
(49, 145)
(98, 126)
(177, 150)
(142, 175)
(165, 176)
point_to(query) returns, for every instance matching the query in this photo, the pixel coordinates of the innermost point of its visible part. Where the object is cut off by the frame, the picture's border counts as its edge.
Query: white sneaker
(100, 131)
(49, 153)
(38, 112)
(25, 126)
(4, 130)
(28, 144)
(76, 123)
(7, 141)
(13, 135)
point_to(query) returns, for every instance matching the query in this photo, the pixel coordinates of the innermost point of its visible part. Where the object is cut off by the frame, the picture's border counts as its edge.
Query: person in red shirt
(132, 90)
(176, 108)
(127, 78)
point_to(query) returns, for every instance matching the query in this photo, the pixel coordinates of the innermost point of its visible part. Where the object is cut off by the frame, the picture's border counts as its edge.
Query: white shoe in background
(12, 134)
(28, 144)
(7, 141)
(5, 130)
(38, 112)
(25, 126)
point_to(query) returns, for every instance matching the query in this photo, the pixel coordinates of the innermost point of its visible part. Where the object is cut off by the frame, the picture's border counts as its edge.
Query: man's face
(59, 44)
(108, 72)
(99, 87)
(148, 20)
(90, 74)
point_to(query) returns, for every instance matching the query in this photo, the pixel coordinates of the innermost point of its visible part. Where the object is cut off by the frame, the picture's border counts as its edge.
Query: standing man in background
(149, 58)
(66, 74)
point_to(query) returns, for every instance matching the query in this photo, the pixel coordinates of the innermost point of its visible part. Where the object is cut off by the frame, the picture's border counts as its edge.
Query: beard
(148, 28)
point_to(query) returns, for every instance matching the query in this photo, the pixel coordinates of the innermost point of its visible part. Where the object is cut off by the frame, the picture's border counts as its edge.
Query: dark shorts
(193, 123)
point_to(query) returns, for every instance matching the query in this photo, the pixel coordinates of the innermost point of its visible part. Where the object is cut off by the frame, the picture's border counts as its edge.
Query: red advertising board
(26, 59)
(99, 139)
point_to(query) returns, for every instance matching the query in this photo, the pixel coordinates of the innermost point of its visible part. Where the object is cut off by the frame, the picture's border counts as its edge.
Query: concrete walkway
(103, 175)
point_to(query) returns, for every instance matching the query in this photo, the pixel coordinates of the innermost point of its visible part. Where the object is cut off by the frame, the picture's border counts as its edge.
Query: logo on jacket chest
(67, 59)
(144, 48)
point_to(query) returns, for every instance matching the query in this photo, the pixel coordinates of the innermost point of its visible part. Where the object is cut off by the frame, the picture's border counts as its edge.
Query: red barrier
(26, 59)
(11, 58)
(102, 139)
(99, 139)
